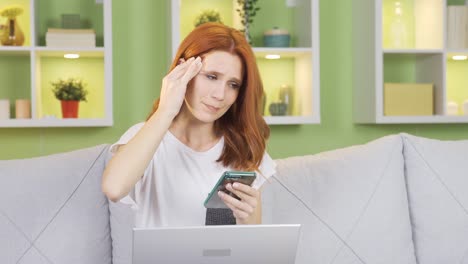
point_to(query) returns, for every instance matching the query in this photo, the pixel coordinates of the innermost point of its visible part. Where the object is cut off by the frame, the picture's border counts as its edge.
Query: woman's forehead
(223, 62)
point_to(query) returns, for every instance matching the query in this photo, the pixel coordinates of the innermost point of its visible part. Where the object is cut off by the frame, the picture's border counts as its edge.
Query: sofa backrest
(52, 209)
(352, 204)
(437, 180)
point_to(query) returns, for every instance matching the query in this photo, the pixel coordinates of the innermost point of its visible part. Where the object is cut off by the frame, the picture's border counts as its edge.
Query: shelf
(457, 83)
(411, 23)
(33, 66)
(14, 76)
(412, 50)
(91, 16)
(67, 122)
(284, 52)
(298, 65)
(291, 120)
(5, 50)
(59, 52)
(436, 119)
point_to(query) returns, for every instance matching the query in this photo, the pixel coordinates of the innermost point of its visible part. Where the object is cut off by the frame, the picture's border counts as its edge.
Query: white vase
(398, 30)
(452, 108)
(4, 109)
(465, 107)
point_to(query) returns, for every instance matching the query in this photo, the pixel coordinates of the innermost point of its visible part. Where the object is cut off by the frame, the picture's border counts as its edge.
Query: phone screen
(213, 200)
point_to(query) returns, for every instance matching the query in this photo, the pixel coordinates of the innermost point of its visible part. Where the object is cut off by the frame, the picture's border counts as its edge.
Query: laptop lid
(223, 244)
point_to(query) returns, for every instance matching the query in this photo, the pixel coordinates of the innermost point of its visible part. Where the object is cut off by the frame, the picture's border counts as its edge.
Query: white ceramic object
(452, 108)
(465, 107)
(4, 109)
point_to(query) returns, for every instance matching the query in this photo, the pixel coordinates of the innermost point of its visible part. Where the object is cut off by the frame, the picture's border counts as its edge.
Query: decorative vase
(23, 108)
(286, 97)
(278, 109)
(12, 34)
(398, 29)
(70, 108)
(276, 38)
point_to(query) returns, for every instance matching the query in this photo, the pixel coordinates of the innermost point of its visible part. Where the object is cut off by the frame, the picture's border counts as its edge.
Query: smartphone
(245, 177)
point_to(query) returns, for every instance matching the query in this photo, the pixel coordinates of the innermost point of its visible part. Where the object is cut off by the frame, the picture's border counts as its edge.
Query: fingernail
(220, 193)
(235, 184)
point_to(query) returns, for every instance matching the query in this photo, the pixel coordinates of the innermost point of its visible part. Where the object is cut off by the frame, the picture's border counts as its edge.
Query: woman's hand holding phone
(244, 210)
(174, 85)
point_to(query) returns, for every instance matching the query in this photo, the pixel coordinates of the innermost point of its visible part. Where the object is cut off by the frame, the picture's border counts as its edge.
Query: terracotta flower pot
(70, 109)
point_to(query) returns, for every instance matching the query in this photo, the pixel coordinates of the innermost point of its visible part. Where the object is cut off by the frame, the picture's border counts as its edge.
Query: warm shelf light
(71, 56)
(459, 57)
(272, 56)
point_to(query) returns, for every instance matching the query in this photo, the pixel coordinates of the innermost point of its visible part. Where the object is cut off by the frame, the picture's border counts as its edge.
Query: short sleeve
(266, 170)
(130, 198)
(125, 138)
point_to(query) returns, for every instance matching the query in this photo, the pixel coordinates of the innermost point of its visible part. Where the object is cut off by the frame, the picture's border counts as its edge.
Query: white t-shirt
(177, 181)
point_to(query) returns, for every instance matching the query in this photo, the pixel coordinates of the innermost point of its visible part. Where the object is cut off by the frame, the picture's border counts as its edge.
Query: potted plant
(209, 15)
(247, 11)
(70, 92)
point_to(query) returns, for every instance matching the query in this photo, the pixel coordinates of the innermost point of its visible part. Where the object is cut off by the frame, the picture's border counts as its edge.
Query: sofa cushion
(52, 209)
(437, 182)
(122, 221)
(352, 204)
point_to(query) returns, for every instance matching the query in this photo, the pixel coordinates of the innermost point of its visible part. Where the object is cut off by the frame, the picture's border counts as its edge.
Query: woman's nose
(218, 92)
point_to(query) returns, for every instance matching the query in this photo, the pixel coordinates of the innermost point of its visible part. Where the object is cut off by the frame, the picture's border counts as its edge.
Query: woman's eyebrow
(222, 74)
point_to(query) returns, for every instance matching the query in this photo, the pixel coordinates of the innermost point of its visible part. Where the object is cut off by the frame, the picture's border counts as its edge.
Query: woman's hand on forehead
(175, 83)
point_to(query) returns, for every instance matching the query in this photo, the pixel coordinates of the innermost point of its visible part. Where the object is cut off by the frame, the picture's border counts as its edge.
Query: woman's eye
(234, 85)
(211, 76)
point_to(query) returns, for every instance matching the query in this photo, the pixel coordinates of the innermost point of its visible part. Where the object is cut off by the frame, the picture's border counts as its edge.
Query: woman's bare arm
(128, 165)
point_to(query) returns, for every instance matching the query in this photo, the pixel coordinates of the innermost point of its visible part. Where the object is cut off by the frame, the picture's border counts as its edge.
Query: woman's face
(216, 87)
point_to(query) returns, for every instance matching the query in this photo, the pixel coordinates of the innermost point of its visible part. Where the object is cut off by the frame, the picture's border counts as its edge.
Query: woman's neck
(196, 135)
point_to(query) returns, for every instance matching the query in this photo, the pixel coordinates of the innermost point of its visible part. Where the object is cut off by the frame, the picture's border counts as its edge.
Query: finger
(240, 214)
(245, 188)
(236, 204)
(180, 69)
(250, 197)
(237, 212)
(192, 70)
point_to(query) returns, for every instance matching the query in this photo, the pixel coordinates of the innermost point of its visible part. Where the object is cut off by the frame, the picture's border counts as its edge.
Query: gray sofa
(397, 199)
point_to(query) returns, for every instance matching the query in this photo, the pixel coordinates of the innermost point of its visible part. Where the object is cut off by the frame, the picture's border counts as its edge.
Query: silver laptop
(223, 244)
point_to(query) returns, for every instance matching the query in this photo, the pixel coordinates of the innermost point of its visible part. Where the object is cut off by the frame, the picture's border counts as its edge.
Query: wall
(141, 53)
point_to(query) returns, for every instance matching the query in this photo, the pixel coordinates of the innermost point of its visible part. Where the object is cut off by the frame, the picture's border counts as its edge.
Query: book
(71, 31)
(71, 44)
(70, 38)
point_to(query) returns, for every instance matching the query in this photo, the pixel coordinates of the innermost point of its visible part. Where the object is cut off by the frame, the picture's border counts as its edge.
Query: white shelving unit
(419, 55)
(37, 52)
(303, 60)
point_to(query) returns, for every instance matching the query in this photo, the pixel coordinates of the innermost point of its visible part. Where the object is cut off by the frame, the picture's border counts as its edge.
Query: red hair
(243, 127)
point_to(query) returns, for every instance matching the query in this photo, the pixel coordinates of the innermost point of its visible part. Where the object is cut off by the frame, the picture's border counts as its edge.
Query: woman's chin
(205, 117)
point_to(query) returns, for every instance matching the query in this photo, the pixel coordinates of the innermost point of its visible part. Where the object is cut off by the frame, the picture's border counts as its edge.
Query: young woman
(206, 121)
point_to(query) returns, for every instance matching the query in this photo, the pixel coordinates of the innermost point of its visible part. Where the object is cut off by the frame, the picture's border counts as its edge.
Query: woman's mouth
(212, 108)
